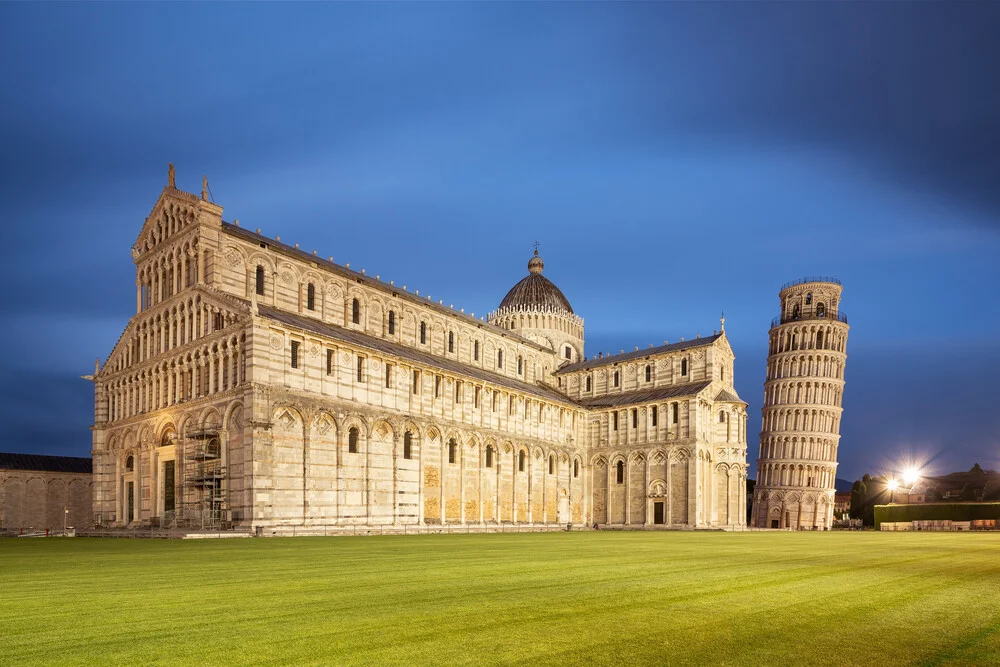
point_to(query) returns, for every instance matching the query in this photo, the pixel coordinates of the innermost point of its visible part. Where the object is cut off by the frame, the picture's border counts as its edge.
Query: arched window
(795, 311)
(311, 297)
(520, 461)
(809, 299)
(576, 468)
(568, 352)
(260, 280)
(352, 440)
(392, 323)
(552, 464)
(820, 310)
(451, 341)
(407, 445)
(355, 311)
(684, 366)
(620, 472)
(500, 359)
(452, 450)
(520, 365)
(819, 339)
(649, 373)
(722, 416)
(489, 457)
(588, 383)
(475, 350)
(129, 463)
(423, 333)
(616, 378)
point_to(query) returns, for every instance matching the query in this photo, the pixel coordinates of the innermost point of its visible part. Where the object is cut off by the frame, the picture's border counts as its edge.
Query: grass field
(569, 598)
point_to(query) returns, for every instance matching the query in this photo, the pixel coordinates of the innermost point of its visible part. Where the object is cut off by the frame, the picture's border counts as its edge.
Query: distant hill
(843, 485)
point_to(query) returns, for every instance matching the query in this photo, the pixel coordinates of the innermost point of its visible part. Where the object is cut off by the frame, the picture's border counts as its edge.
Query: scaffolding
(204, 505)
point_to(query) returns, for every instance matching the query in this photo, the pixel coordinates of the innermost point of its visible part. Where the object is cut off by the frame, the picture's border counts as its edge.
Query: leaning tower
(797, 464)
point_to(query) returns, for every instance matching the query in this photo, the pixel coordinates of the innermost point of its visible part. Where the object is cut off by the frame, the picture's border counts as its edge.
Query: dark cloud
(907, 90)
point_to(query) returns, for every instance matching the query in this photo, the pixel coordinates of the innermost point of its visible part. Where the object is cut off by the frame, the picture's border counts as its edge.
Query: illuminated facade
(262, 385)
(803, 394)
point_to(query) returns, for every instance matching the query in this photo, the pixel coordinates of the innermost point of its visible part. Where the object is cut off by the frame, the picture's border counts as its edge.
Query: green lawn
(569, 598)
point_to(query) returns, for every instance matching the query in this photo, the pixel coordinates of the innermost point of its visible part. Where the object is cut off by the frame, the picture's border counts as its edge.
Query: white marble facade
(262, 385)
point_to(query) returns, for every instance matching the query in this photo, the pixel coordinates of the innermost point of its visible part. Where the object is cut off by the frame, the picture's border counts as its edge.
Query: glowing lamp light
(910, 476)
(893, 485)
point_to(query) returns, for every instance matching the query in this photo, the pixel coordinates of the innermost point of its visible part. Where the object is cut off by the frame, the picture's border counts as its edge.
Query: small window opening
(352, 440)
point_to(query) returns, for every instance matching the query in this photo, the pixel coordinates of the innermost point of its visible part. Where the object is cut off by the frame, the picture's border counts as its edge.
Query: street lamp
(910, 476)
(893, 484)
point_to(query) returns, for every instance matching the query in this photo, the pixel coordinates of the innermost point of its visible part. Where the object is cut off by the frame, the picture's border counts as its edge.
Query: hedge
(936, 512)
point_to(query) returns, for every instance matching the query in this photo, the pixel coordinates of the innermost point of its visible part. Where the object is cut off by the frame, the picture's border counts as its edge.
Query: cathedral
(261, 386)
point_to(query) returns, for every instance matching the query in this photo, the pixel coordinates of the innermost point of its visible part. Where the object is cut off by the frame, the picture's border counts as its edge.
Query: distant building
(841, 504)
(40, 493)
(262, 385)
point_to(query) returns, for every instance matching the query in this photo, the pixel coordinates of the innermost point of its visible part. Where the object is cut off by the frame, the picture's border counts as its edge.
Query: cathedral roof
(535, 292)
(645, 396)
(284, 248)
(405, 352)
(43, 462)
(594, 362)
(727, 396)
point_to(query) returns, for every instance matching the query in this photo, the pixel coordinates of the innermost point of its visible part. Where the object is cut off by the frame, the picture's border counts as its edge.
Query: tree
(858, 491)
(976, 469)
(968, 492)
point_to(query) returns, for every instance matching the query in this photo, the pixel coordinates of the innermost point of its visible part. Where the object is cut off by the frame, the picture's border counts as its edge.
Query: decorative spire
(535, 264)
(170, 175)
(722, 322)
(204, 188)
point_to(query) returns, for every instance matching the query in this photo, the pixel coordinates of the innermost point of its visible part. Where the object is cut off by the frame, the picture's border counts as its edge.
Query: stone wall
(36, 500)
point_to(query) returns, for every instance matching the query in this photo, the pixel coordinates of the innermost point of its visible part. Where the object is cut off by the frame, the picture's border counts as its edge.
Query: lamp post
(65, 518)
(892, 490)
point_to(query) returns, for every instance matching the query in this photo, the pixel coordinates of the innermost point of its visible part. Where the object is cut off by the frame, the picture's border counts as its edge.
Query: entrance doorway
(774, 523)
(130, 499)
(658, 511)
(168, 486)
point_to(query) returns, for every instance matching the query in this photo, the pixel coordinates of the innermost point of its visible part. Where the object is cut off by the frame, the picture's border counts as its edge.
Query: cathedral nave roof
(298, 253)
(594, 362)
(646, 395)
(363, 340)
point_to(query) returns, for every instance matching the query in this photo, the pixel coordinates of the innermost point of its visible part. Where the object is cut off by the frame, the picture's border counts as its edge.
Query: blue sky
(673, 160)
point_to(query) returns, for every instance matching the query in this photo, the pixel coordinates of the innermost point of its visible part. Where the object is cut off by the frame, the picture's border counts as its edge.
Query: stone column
(395, 477)
(648, 502)
(461, 481)
(441, 475)
(306, 467)
(219, 360)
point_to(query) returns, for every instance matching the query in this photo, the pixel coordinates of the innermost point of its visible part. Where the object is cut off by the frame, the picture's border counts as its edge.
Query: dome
(535, 291)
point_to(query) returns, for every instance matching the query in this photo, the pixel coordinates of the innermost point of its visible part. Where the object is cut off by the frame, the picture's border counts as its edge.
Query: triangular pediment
(203, 294)
(174, 213)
